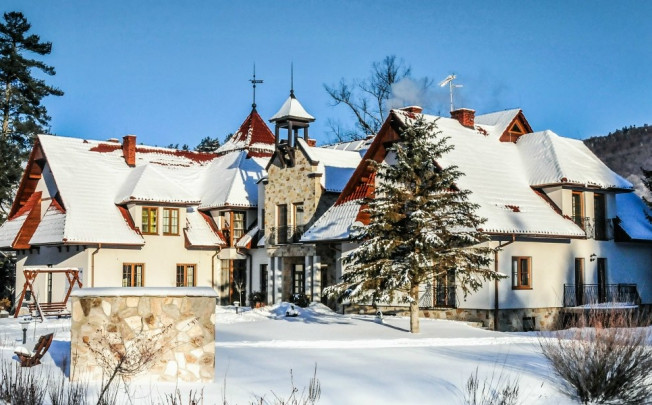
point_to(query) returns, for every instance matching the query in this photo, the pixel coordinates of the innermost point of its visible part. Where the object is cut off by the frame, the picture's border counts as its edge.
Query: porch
(576, 295)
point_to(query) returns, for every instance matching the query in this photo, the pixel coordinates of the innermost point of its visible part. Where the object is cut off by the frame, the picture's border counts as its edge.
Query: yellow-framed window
(149, 225)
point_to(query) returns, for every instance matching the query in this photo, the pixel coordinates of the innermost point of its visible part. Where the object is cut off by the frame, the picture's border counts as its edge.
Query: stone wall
(176, 326)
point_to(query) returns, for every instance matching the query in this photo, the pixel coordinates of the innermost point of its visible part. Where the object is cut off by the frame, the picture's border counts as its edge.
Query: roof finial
(292, 79)
(254, 82)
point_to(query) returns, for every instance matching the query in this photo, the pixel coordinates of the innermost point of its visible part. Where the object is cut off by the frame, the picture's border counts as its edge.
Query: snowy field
(359, 359)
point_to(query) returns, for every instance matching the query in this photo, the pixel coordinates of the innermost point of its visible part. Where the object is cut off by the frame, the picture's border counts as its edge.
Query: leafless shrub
(64, 392)
(126, 358)
(492, 390)
(602, 359)
(308, 396)
(20, 385)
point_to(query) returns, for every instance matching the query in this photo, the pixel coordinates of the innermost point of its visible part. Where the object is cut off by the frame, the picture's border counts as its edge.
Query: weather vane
(254, 82)
(449, 81)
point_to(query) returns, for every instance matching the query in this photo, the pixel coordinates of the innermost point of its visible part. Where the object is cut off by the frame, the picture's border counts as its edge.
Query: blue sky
(174, 72)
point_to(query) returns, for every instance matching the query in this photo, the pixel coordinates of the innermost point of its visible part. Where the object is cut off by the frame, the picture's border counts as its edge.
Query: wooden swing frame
(51, 308)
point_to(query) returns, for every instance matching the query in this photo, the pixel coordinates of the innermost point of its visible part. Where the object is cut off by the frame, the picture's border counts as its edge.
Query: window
(577, 213)
(238, 225)
(521, 273)
(281, 223)
(150, 221)
(133, 275)
(186, 275)
(170, 221)
(49, 287)
(263, 279)
(600, 214)
(298, 214)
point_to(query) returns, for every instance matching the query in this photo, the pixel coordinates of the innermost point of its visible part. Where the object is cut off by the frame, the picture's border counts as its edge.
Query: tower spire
(254, 82)
(292, 79)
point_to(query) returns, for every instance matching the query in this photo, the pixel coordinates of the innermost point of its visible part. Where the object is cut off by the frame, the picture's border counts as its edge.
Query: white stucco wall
(553, 266)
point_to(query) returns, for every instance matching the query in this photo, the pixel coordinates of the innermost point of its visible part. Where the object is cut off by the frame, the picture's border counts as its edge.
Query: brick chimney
(311, 142)
(414, 109)
(129, 149)
(465, 116)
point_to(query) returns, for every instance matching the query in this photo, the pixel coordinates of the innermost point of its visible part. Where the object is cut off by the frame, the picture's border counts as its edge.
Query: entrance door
(298, 284)
(445, 289)
(239, 282)
(579, 281)
(602, 279)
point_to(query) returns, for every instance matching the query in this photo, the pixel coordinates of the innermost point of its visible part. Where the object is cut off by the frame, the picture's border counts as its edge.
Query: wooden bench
(50, 308)
(29, 359)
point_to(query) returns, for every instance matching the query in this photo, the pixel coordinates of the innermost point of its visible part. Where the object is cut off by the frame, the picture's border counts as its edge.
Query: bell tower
(292, 117)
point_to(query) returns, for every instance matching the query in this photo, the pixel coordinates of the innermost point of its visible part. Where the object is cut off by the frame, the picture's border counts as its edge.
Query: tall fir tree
(421, 226)
(23, 116)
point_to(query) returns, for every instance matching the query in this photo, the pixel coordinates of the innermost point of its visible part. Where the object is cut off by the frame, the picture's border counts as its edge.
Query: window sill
(522, 288)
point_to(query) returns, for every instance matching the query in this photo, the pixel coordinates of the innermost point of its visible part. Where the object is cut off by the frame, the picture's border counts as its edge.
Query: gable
(516, 128)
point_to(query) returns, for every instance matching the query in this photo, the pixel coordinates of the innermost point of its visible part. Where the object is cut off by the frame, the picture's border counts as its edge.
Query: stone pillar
(278, 280)
(308, 276)
(317, 281)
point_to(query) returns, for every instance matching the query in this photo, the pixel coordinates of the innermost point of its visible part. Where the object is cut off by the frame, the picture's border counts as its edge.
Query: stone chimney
(129, 149)
(465, 116)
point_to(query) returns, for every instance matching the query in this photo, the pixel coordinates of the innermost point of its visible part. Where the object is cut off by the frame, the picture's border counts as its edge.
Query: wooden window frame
(581, 194)
(170, 231)
(149, 230)
(185, 266)
(519, 271)
(294, 214)
(132, 274)
(235, 238)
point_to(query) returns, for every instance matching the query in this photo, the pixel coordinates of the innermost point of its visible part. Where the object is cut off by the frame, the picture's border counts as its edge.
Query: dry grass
(602, 359)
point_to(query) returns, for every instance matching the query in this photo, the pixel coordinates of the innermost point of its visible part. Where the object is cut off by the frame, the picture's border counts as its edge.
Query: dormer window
(149, 225)
(170, 221)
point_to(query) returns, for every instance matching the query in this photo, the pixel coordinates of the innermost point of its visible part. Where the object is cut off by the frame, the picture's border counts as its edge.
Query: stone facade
(174, 325)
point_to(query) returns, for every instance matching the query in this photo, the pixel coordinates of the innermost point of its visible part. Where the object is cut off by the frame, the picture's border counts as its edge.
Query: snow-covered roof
(497, 122)
(334, 224)
(292, 109)
(337, 166)
(503, 177)
(52, 226)
(551, 159)
(631, 211)
(199, 232)
(360, 146)
(94, 183)
(231, 180)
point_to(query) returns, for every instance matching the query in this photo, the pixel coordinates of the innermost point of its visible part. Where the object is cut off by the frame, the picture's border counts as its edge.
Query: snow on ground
(359, 359)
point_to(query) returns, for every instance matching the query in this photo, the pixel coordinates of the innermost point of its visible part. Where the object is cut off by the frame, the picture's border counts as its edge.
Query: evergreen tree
(22, 113)
(421, 226)
(208, 144)
(647, 181)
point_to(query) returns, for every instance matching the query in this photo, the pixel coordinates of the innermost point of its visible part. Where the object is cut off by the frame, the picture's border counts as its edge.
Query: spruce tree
(23, 116)
(208, 144)
(647, 181)
(421, 226)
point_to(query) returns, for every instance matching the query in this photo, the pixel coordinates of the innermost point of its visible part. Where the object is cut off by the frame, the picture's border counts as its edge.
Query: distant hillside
(625, 152)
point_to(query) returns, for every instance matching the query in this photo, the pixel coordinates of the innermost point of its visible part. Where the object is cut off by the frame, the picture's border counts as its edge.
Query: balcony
(595, 229)
(282, 235)
(592, 294)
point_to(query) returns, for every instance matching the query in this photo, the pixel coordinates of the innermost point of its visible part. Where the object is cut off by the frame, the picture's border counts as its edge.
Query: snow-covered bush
(608, 362)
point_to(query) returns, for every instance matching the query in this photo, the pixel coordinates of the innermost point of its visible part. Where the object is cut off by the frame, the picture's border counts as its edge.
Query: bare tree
(367, 98)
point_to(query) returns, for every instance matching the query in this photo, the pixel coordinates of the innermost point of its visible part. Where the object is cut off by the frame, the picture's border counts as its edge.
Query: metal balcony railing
(282, 235)
(590, 294)
(438, 296)
(595, 229)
